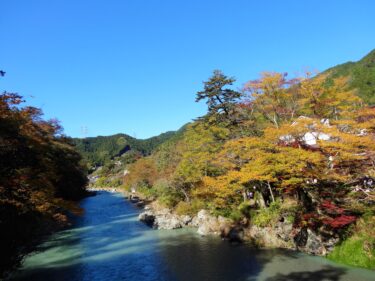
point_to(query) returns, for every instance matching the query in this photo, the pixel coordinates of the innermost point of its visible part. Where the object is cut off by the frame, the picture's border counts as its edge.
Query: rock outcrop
(281, 235)
(204, 221)
(164, 219)
(209, 224)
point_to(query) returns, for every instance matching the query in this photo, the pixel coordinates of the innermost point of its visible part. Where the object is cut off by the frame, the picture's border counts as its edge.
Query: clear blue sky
(135, 66)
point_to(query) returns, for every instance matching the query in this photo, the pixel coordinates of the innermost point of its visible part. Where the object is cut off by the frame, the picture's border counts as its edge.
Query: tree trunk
(185, 193)
(270, 189)
(260, 200)
(244, 195)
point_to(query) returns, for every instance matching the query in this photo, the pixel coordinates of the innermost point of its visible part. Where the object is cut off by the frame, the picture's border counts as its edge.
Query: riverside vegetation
(280, 152)
(41, 175)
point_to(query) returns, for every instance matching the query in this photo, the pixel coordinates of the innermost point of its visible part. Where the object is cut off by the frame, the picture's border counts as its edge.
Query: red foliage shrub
(331, 208)
(340, 221)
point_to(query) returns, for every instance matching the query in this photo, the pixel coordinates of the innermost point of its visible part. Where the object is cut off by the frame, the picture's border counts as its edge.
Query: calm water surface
(108, 243)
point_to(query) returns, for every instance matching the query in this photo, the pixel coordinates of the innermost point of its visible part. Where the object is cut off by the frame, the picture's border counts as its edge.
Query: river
(109, 243)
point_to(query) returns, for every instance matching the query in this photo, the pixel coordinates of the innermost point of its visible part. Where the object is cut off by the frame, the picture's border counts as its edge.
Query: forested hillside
(298, 150)
(111, 170)
(40, 173)
(98, 151)
(360, 76)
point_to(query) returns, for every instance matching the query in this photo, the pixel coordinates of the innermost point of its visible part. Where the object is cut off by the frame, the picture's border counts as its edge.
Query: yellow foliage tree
(274, 97)
(200, 143)
(327, 101)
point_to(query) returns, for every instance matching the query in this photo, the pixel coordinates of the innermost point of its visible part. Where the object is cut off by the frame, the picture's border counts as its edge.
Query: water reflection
(108, 243)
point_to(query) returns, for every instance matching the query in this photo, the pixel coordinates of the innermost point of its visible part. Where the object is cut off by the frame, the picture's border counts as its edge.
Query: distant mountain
(99, 150)
(361, 76)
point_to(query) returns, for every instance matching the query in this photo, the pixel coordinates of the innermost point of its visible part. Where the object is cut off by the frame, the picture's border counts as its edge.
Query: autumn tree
(327, 100)
(274, 97)
(266, 166)
(142, 173)
(200, 143)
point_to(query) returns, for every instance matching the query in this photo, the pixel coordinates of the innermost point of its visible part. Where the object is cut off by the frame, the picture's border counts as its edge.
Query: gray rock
(330, 243)
(209, 224)
(300, 239)
(163, 219)
(167, 222)
(186, 220)
(284, 230)
(201, 217)
(310, 242)
(314, 244)
(270, 237)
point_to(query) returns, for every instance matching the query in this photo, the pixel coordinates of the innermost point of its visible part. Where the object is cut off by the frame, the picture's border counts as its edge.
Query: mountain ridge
(360, 74)
(99, 150)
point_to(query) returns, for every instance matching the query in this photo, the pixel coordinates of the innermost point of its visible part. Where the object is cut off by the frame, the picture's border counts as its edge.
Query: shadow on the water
(327, 274)
(109, 243)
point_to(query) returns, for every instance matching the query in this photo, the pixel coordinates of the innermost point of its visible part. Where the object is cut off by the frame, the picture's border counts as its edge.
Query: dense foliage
(298, 149)
(39, 171)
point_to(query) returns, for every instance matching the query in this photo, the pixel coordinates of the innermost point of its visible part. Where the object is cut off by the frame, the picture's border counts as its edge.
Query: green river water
(109, 243)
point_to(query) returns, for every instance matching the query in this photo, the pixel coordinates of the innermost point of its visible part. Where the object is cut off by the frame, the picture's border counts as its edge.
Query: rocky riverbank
(281, 235)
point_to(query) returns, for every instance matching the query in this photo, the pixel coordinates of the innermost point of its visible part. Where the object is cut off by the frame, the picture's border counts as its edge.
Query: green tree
(221, 101)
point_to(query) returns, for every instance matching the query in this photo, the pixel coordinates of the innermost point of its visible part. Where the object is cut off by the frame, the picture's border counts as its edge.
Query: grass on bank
(359, 249)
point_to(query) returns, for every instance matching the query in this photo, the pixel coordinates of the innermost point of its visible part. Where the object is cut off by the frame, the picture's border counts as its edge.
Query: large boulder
(186, 219)
(284, 231)
(306, 240)
(167, 222)
(314, 244)
(310, 242)
(278, 236)
(202, 216)
(209, 224)
(163, 218)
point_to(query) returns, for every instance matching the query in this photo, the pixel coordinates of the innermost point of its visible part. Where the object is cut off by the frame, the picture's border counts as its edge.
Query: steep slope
(361, 76)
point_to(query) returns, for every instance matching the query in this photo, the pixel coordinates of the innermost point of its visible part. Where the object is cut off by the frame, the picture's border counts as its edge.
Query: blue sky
(135, 66)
